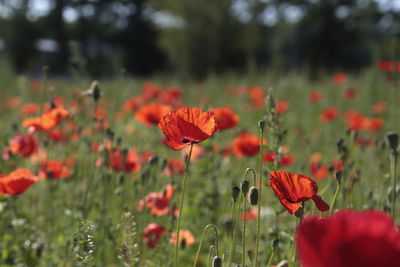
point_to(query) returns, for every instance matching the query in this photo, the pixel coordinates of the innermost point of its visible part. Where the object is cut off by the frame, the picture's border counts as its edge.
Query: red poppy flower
(16, 182)
(250, 215)
(257, 97)
(318, 171)
(269, 156)
(187, 125)
(282, 106)
(379, 107)
(197, 152)
(314, 96)
(57, 136)
(152, 234)
(47, 120)
(337, 165)
(23, 144)
(355, 121)
(286, 160)
(225, 118)
(183, 235)
(171, 96)
(374, 124)
(328, 114)
(149, 92)
(246, 144)
(151, 114)
(131, 104)
(29, 109)
(124, 160)
(364, 142)
(292, 189)
(54, 169)
(350, 94)
(339, 78)
(174, 167)
(160, 204)
(348, 239)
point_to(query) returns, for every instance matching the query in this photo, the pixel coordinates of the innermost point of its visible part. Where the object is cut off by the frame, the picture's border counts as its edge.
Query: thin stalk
(201, 242)
(209, 255)
(233, 235)
(271, 256)
(298, 221)
(244, 231)
(334, 198)
(393, 159)
(181, 206)
(259, 196)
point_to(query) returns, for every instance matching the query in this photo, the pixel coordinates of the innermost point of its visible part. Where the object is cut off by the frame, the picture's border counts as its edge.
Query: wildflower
(152, 234)
(54, 169)
(314, 96)
(186, 238)
(282, 106)
(349, 238)
(225, 118)
(47, 120)
(349, 94)
(17, 182)
(29, 109)
(246, 144)
(23, 144)
(151, 114)
(127, 161)
(292, 189)
(339, 78)
(187, 125)
(379, 107)
(257, 97)
(328, 114)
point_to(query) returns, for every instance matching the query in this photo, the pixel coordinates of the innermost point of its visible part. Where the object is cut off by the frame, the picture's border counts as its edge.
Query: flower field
(258, 170)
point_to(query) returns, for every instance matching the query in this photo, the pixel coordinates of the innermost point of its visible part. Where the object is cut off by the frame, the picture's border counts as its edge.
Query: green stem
(201, 242)
(334, 198)
(209, 255)
(393, 159)
(244, 231)
(181, 206)
(259, 197)
(271, 257)
(234, 216)
(232, 233)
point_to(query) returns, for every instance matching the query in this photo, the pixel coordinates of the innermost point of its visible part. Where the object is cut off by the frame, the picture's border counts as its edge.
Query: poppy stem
(233, 231)
(259, 197)
(393, 160)
(201, 242)
(244, 231)
(338, 175)
(209, 255)
(181, 206)
(271, 256)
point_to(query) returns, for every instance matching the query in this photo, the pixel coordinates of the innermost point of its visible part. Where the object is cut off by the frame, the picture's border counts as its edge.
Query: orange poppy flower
(314, 96)
(171, 96)
(160, 205)
(29, 109)
(379, 107)
(17, 182)
(257, 97)
(318, 171)
(282, 106)
(197, 152)
(292, 189)
(174, 167)
(54, 169)
(131, 104)
(183, 235)
(225, 118)
(124, 160)
(246, 144)
(149, 91)
(250, 215)
(374, 124)
(151, 114)
(328, 114)
(47, 120)
(187, 125)
(23, 144)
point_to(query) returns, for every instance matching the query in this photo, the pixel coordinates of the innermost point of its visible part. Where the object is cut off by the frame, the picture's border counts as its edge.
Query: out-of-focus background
(196, 37)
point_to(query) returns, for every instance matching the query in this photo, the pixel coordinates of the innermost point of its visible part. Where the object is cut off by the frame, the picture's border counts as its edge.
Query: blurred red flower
(171, 96)
(379, 107)
(131, 104)
(54, 169)
(152, 113)
(225, 118)
(183, 235)
(339, 78)
(328, 114)
(282, 106)
(250, 215)
(29, 109)
(16, 182)
(174, 167)
(246, 144)
(47, 120)
(187, 125)
(348, 239)
(314, 96)
(350, 94)
(292, 189)
(152, 234)
(257, 97)
(23, 144)
(126, 160)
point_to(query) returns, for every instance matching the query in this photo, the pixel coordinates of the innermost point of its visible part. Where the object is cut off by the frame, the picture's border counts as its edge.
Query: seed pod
(217, 262)
(392, 138)
(261, 125)
(245, 187)
(235, 193)
(338, 175)
(253, 195)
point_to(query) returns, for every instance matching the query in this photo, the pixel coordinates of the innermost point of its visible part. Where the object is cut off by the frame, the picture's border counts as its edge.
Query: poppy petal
(320, 203)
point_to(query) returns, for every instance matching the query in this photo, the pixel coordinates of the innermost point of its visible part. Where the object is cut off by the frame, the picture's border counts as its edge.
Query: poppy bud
(261, 125)
(217, 262)
(96, 93)
(245, 187)
(153, 160)
(338, 176)
(250, 254)
(392, 139)
(299, 213)
(275, 243)
(253, 196)
(235, 193)
(183, 243)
